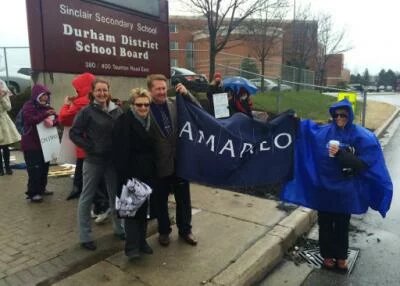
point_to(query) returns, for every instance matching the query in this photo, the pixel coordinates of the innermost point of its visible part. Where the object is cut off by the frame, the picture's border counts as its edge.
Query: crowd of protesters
(113, 146)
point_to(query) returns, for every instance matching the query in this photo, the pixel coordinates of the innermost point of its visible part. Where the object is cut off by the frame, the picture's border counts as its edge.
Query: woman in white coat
(8, 132)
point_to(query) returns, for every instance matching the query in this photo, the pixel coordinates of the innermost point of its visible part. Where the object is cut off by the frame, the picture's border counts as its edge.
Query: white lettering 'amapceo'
(280, 141)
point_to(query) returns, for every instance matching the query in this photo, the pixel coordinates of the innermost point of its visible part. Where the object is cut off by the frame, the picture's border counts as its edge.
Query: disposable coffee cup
(333, 143)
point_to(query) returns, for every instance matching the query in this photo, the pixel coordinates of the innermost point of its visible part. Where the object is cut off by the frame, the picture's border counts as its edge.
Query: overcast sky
(371, 29)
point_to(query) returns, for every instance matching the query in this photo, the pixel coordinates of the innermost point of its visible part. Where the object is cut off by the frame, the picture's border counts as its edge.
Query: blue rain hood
(318, 181)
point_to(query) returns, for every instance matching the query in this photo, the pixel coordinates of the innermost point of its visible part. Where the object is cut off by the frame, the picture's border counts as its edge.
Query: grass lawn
(307, 103)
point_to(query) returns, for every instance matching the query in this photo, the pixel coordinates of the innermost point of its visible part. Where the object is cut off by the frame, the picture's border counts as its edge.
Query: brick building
(189, 46)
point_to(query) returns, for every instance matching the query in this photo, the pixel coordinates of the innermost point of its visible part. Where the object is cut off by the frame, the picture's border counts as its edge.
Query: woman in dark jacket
(92, 131)
(134, 157)
(214, 87)
(34, 112)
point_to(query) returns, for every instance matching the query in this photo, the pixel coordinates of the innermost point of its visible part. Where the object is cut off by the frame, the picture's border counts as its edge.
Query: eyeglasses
(340, 115)
(142, 104)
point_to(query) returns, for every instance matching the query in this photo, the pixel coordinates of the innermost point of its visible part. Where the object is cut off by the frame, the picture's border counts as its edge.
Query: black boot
(133, 236)
(75, 193)
(9, 171)
(144, 246)
(1, 171)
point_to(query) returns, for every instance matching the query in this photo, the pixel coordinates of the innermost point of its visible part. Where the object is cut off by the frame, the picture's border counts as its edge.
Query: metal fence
(232, 64)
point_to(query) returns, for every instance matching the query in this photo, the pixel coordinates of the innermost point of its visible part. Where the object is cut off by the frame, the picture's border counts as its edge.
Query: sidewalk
(240, 237)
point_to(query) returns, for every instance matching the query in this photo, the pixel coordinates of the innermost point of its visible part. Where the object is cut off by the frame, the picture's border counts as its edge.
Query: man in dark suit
(164, 120)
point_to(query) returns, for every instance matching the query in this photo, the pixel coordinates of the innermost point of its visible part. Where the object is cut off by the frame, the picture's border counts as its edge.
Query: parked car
(191, 80)
(356, 87)
(388, 88)
(381, 88)
(16, 82)
(270, 85)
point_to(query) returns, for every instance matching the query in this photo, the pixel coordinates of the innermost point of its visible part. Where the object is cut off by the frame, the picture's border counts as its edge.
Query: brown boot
(342, 264)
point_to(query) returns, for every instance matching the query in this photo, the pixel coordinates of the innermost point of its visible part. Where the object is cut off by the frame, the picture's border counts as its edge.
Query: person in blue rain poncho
(338, 181)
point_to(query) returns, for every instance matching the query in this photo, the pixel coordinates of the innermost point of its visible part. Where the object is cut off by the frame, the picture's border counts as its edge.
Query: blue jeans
(92, 175)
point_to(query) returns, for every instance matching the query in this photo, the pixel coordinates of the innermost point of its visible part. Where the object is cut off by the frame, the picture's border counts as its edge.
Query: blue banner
(237, 151)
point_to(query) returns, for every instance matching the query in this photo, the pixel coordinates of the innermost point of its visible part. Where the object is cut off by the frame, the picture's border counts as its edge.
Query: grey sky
(371, 29)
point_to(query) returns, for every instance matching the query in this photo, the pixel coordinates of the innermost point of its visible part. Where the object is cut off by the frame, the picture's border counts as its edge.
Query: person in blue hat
(339, 170)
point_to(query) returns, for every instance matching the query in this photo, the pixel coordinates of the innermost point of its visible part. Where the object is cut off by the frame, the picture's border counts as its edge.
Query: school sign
(105, 37)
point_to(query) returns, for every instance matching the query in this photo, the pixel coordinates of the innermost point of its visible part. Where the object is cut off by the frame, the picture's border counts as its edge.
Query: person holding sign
(135, 157)
(34, 112)
(92, 131)
(215, 87)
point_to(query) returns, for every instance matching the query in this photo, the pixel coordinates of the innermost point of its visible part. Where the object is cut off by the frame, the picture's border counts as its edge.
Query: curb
(267, 252)
(379, 131)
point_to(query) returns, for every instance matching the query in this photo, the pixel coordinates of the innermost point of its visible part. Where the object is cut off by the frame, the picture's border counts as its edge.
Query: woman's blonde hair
(139, 92)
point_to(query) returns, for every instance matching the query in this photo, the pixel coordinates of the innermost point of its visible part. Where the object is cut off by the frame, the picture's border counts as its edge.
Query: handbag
(134, 193)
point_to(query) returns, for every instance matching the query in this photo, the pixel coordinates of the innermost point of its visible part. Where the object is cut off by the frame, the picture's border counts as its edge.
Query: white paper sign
(221, 105)
(67, 149)
(49, 140)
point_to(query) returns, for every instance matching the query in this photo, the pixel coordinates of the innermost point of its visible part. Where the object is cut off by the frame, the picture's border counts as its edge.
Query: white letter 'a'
(228, 146)
(187, 128)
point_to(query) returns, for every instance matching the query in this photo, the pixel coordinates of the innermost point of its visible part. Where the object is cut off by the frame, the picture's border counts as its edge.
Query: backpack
(19, 122)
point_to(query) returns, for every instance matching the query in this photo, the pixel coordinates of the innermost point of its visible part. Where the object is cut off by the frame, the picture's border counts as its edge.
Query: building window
(173, 45)
(189, 55)
(173, 28)
(174, 62)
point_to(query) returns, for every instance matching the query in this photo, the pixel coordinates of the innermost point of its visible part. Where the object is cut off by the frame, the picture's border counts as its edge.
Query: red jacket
(83, 85)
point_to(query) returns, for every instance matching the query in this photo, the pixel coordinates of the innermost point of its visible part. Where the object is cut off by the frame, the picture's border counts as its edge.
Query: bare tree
(331, 43)
(303, 46)
(264, 30)
(223, 17)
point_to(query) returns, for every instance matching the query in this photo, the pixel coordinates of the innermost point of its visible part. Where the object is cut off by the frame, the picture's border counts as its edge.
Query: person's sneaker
(92, 214)
(9, 171)
(36, 199)
(101, 218)
(47, 193)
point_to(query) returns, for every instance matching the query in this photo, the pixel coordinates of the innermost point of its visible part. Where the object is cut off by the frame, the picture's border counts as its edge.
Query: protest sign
(49, 140)
(221, 105)
(237, 151)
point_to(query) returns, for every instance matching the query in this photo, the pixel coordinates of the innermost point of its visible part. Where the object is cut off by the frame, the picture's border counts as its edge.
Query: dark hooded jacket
(83, 85)
(33, 113)
(92, 131)
(320, 182)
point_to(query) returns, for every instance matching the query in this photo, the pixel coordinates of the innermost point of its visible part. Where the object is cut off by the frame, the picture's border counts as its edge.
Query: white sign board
(49, 140)
(221, 105)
